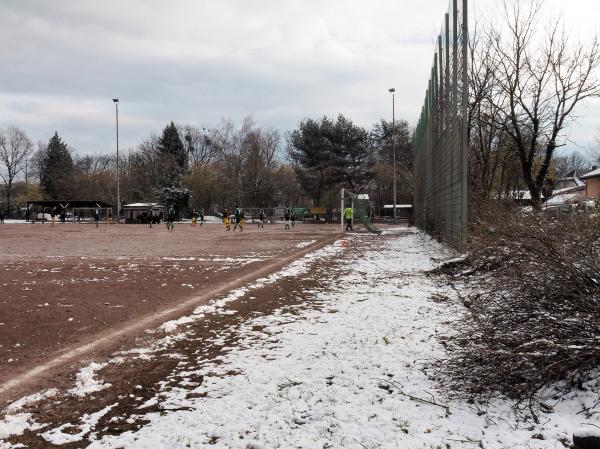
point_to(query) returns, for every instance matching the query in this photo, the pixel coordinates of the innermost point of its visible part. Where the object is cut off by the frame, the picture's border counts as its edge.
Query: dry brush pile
(533, 308)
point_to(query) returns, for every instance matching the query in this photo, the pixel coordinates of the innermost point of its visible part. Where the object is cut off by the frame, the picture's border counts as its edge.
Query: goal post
(360, 210)
(86, 215)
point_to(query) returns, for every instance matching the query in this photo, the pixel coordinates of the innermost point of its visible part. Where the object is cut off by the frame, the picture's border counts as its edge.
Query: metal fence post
(440, 138)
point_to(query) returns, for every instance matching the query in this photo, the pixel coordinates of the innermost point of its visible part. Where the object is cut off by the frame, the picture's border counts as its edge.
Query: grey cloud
(197, 61)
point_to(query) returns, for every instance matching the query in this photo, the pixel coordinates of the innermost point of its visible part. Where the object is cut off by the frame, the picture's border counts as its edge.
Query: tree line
(526, 85)
(211, 168)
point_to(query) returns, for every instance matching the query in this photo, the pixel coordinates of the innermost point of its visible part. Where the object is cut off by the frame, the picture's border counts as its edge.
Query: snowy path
(329, 376)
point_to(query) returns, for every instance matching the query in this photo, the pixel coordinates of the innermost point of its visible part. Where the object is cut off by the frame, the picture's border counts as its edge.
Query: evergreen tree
(351, 154)
(57, 170)
(176, 195)
(329, 155)
(383, 141)
(310, 152)
(171, 147)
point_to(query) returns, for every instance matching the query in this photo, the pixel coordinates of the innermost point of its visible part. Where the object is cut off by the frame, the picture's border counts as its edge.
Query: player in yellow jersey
(226, 220)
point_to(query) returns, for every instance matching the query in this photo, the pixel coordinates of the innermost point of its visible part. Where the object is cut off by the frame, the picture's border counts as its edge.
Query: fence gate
(440, 139)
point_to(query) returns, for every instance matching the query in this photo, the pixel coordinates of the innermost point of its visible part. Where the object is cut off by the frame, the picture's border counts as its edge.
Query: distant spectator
(1, 217)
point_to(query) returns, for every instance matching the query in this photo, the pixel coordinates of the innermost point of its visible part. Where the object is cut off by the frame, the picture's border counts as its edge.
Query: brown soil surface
(136, 378)
(65, 288)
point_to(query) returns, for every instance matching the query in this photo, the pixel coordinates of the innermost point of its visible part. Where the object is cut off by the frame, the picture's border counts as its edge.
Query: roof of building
(564, 198)
(574, 188)
(141, 205)
(594, 173)
(70, 203)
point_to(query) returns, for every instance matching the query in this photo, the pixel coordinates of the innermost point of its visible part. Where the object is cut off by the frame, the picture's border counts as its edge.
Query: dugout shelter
(75, 211)
(140, 212)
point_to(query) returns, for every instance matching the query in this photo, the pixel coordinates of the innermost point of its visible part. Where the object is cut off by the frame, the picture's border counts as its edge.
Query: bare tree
(574, 162)
(259, 150)
(93, 163)
(537, 83)
(198, 144)
(15, 147)
(34, 168)
(489, 155)
(147, 170)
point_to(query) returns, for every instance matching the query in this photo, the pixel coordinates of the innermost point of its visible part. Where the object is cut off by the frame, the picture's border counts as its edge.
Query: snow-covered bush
(533, 309)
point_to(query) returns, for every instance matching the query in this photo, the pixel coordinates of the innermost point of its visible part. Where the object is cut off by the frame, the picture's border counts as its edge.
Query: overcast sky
(196, 61)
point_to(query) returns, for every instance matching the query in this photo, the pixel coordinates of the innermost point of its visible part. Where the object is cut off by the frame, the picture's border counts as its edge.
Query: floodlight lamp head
(116, 100)
(392, 90)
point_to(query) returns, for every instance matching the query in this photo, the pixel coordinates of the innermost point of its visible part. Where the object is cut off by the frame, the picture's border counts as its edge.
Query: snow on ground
(86, 382)
(15, 422)
(60, 435)
(305, 243)
(350, 372)
(295, 268)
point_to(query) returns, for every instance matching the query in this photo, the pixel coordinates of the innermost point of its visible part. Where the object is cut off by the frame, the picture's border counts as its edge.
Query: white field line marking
(155, 319)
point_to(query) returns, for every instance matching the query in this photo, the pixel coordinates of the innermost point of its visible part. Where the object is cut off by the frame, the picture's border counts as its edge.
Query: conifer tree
(171, 146)
(57, 170)
(328, 155)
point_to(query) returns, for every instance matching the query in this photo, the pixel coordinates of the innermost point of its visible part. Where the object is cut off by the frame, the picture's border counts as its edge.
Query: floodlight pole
(116, 101)
(393, 90)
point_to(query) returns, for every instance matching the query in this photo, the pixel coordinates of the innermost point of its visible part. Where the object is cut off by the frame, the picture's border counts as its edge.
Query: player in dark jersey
(170, 218)
(237, 218)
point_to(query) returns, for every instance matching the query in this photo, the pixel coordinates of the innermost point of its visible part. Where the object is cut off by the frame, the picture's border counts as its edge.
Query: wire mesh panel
(440, 139)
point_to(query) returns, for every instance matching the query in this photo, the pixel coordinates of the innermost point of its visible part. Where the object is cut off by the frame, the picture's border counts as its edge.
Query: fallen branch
(415, 398)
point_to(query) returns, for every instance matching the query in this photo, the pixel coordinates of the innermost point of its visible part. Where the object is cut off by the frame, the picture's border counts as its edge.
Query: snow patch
(86, 383)
(16, 424)
(87, 423)
(305, 243)
(31, 399)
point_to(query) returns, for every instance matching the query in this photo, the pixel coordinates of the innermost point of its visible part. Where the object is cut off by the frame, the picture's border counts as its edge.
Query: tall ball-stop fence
(440, 139)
